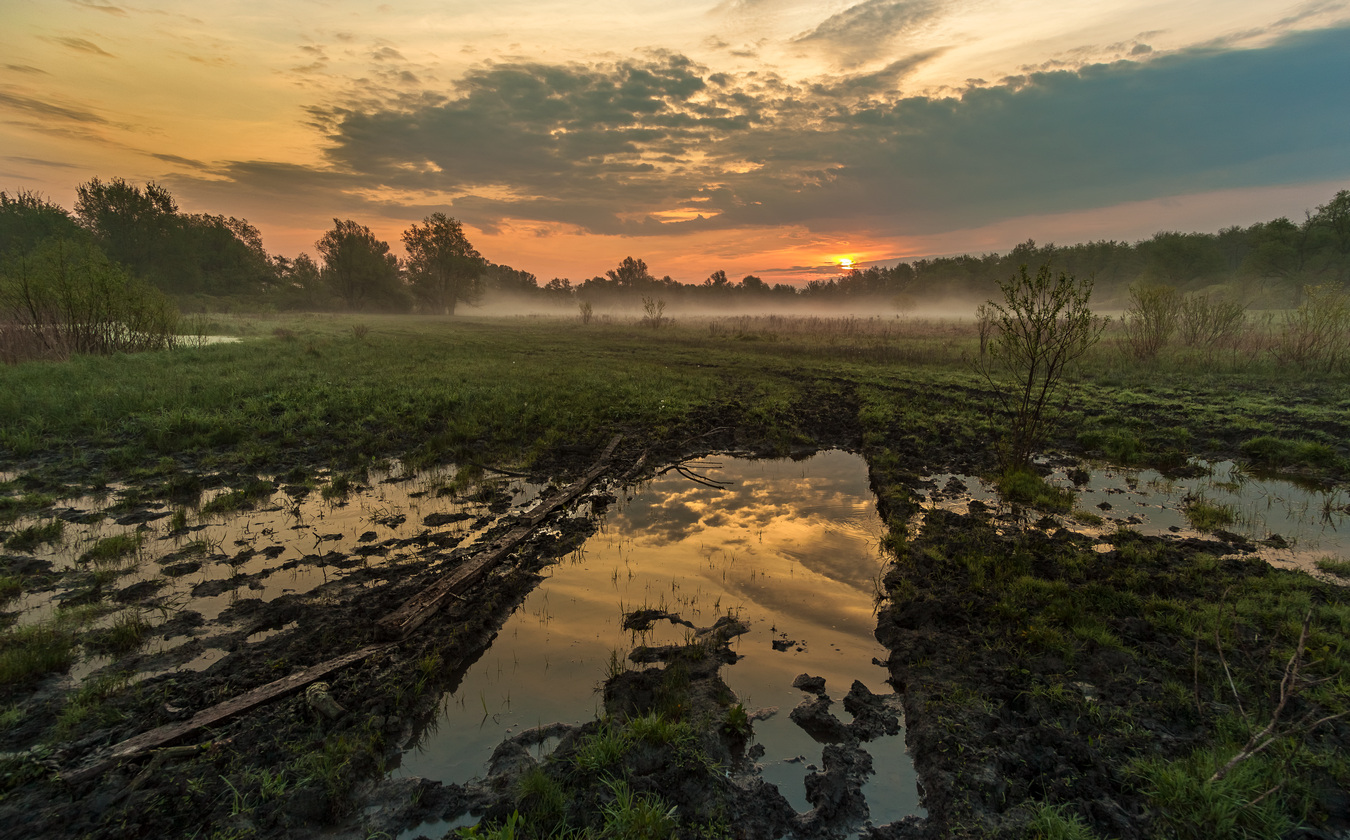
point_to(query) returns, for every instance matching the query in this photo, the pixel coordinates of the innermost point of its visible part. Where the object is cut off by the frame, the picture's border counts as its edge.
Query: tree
(443, 267)
(630, 274)
(132, 225)
(358, 267)
(1043, 325)
(26, 219)
(67, 297)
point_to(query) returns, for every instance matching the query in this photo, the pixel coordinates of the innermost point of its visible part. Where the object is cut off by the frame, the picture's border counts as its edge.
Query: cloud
(49, 110)
(116, 11)
(662, 145)
(857, 34)
(177, 159)
(55, 164)
(26, 68)
(81, 45)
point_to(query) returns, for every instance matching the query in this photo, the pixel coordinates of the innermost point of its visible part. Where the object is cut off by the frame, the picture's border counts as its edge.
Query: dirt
(283, 769)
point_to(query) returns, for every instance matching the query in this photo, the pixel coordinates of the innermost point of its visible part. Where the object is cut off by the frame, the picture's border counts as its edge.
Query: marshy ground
(182, 527)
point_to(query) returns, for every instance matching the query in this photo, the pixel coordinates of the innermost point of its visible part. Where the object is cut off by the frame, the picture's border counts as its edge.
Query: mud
(985, 743)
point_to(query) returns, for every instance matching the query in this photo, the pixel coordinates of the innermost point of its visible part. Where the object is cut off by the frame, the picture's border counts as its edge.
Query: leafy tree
(67, 297)
(26, 219)
(132, 225)
(181, 253)
(717, 280)
(630, 274)
(300, 283)
(358, 267)
(1333, 218)
(1043, 325)
(443, 267)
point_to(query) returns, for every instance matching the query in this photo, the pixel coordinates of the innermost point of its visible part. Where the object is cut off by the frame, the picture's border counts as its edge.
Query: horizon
(766, 137)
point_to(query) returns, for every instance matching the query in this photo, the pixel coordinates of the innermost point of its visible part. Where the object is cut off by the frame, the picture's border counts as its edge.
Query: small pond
(1291, 524)
(790, 547)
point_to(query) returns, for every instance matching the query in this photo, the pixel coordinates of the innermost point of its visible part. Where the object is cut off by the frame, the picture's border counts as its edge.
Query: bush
(1318, 332)
(1150, 319)
(1042, 327)
(67, 297)
(1206, 322)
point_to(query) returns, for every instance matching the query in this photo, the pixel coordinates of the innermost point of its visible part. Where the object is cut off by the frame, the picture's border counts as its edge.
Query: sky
(773, 137)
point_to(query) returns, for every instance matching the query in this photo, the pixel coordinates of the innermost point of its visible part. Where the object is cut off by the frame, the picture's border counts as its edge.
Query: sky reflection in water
(791, 547)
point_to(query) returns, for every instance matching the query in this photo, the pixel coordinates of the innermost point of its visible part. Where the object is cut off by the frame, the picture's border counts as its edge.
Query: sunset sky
(774, 137)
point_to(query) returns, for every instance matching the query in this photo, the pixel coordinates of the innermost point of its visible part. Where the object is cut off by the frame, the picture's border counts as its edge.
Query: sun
(845, 262)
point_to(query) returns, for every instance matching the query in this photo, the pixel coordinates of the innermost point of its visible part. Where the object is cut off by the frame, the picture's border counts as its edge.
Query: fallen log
(167, 734)
(416, 610)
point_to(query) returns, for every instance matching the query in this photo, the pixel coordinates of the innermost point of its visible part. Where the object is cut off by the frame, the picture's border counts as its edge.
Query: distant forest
(208, 263)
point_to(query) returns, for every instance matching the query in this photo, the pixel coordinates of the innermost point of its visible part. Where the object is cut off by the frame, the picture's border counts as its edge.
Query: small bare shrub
(1150, 320)
(586, 311)
(653, 312)
(360, 331)
(1206, 322)
(1317, 333)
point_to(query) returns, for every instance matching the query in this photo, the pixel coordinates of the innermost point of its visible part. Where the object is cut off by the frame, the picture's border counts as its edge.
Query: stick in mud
(165, 735)
(419, 608)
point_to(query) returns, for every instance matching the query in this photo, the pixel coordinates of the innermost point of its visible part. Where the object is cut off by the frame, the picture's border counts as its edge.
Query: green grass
(127, 633)
(88, 705)
(1055, 822)
(11, 587)
(244, 497)
(109, 550)
(29, 652)
(27, 539)
(1205, 515)
(1187, 806)
(1270, 451)
(1024, 487)
(1339, 568)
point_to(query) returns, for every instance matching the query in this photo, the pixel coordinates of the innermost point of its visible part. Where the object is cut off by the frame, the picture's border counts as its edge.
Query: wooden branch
(416, 610)
(165, 735)
(1288, 688)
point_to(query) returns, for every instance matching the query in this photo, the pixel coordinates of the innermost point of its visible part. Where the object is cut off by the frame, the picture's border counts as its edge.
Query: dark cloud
(81, 45)
(628, 148)
(54, 164)
(49, 110)
(116, 11)
(181, 161)
(26, 68)
(857, 33)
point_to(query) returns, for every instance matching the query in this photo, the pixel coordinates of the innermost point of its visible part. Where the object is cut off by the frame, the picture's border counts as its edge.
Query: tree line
(208, 261)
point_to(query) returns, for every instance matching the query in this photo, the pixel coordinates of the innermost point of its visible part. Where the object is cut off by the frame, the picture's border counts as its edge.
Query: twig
(708, 482)
(1218, 643)
(1288, 687)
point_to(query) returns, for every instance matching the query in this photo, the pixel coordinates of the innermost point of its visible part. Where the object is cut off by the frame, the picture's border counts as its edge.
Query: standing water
(791, 548)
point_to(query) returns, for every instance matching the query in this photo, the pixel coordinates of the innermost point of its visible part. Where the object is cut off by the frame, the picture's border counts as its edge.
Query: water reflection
(1290, 524)
(791, 547)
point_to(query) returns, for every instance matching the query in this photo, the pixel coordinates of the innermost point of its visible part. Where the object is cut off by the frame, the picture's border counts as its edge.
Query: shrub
(67, 297)
(1150, 319)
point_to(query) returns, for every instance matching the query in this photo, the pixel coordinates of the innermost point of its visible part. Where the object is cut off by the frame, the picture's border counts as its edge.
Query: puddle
(789, 547)
(1294, 525)
(284, 545)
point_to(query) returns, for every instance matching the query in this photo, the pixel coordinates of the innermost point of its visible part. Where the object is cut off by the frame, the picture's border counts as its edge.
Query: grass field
(304, 399)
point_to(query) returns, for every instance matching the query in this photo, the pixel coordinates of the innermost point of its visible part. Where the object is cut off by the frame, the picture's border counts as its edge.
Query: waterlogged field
(180, 528)
(792, 548)
(170, 578)
(1289, 524)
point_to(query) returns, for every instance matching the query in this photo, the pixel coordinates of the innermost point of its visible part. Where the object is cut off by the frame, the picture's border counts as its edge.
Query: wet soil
(986, 743)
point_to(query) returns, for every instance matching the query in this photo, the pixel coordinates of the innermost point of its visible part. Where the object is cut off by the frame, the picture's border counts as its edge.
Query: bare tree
(1043, 325)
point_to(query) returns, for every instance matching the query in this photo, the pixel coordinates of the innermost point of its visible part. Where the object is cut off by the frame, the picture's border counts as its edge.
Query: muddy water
(283, 545)
(789, 547)
(1292, 525)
